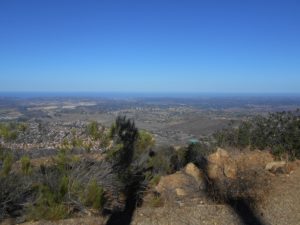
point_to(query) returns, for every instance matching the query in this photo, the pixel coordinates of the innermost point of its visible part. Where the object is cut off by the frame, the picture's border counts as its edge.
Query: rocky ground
(185, 198)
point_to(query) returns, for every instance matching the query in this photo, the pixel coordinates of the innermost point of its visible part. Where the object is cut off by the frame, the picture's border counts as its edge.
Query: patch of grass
(26, 165)
(94, 196)
(48, 206)
(156, 201)
(155, 180)
(7, 164)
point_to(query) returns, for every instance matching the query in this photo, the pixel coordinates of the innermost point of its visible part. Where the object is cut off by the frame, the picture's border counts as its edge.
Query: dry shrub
(251, 185)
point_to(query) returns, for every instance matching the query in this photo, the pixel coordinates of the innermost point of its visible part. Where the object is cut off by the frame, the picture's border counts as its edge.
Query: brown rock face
(193, 171)
(253, 159)
(173, 181)
(221, 164)
(182, 183)
(277, 167)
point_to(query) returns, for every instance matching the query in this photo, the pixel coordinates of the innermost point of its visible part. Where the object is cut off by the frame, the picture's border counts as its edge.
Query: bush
(48, 206)
(8, 131)
(278, 152)
(144, 142)
(94, 196)
(26, 165)
(7, 164)
(161, 162)
(14, 190)
(155, 180)
(93, 130)
(156, 201)
(278, 131)
(195, 152)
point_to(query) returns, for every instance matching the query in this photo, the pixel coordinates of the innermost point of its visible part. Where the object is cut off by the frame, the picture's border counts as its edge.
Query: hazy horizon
(120, 95)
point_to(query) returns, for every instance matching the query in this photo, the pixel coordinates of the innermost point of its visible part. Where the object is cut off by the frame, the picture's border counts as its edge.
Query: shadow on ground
(133, 200)
(242, 207)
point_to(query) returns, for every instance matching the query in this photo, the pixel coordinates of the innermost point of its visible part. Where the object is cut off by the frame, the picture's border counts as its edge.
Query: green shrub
(9, 131)
(26, 165)
(155, 180)
(156, 201)
(7, 164)
(93, 130)
(160, 162)
(144, 141)
(49, 206)
(94, 195)
(278, 151)
(195, 152)
(63, 186)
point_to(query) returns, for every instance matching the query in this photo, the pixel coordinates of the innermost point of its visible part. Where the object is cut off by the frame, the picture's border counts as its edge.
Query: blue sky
(150, 46)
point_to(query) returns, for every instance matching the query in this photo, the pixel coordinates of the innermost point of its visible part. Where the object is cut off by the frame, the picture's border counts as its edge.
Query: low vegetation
(278, 132)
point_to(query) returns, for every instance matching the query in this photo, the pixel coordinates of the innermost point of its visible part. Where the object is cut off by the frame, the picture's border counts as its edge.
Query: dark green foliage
(124, 134)
(167, 160)
(94, 195)
(93, 130)
(279, 132)
(178, 159)
(7, 164)
(13, 190)
(9, 131)
(244, 135)
(195, 152)
(49, 205)
(144, 142)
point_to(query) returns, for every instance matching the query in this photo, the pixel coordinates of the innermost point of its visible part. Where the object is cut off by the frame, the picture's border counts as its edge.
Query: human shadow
(241, 206)
(133, 200)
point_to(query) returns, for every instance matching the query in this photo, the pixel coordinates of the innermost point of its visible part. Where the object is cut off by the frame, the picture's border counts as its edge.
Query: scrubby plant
(9, 131)
(93, 130)
(278, 131)
(156, 201)
(49, 206)
(7, 164)
(155, 180)
(144, 142)
(94, 195)
(196, 152)
(26, 165)
(161, 162)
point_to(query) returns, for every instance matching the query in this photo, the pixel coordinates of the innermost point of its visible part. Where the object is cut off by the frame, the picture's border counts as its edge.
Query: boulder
(230, 169)
(214, 171)
(221, 164)
(277, 167)
(189, 182)
(218, 157)
(173, 181)
(181, 192)
(194, 171)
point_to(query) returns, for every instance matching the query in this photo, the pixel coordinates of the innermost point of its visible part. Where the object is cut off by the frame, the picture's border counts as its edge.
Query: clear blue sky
(150, 46)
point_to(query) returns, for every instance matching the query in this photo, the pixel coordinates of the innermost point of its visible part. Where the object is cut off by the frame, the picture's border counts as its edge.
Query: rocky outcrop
(278, 167)
(192, 170)
(221, 164)
(253, 159)
(189, 181)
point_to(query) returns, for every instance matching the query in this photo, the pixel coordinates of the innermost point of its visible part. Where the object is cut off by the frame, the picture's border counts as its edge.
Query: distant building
(193, 141)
